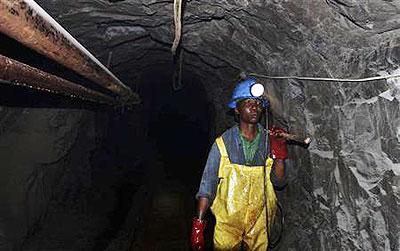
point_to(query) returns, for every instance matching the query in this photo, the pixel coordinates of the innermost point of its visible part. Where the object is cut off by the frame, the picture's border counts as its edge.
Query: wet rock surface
(344, 192)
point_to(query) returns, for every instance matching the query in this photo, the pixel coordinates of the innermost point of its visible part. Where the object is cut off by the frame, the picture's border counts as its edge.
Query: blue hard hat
(243, 91)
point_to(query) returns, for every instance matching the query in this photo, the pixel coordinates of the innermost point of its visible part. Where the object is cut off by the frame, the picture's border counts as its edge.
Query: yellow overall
(239, 206)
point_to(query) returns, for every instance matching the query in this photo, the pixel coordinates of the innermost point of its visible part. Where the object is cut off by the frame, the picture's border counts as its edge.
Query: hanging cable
(326, 79)
(176, 49)
(177, 77)
(178, 24)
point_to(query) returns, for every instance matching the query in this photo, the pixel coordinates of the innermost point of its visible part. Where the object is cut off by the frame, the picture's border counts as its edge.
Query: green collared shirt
(250, 147)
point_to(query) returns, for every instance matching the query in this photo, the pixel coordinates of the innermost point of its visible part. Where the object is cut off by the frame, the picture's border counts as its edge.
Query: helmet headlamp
(257, 90)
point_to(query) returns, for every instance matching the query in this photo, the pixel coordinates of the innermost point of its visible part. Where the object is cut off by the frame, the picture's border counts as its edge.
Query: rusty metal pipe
(21, 74)
(28, 23)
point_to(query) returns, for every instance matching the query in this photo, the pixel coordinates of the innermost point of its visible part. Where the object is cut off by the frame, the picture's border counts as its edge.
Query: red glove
(197, 237)
(278, 143)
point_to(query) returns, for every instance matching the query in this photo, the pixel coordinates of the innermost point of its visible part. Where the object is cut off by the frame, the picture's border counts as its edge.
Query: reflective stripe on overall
(239, 206)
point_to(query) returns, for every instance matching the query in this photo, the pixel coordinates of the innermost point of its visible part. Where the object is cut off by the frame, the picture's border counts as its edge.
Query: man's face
(249, 110)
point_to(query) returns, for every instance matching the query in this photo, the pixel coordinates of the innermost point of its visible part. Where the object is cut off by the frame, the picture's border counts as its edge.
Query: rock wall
(38, 147)
(68, 177)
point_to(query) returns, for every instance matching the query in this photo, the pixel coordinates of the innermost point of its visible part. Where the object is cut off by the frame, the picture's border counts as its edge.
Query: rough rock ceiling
(344, 193)
(239, 34)
(327, 38)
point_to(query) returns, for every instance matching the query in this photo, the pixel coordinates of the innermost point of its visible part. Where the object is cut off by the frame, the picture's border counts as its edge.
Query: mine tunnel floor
(167, 224)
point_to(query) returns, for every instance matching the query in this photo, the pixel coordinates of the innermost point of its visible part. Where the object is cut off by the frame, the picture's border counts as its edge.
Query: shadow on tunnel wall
(92, 191)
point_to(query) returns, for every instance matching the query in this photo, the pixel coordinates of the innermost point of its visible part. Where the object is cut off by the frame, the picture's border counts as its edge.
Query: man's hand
(197, 237)
(278, 143)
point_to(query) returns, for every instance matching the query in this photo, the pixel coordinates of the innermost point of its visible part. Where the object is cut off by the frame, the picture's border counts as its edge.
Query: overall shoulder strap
(221, 147)
(268, 163)
(224, 157)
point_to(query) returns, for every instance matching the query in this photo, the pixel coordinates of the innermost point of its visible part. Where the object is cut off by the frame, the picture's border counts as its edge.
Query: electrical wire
(265, 173)
(326, 79)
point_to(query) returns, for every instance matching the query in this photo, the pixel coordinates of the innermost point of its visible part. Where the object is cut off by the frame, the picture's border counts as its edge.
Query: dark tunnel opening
(180, 123)
(117, 173)
(167, 158)
(175, 131)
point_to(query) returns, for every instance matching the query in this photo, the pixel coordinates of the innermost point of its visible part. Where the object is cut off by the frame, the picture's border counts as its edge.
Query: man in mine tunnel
(243, 169)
